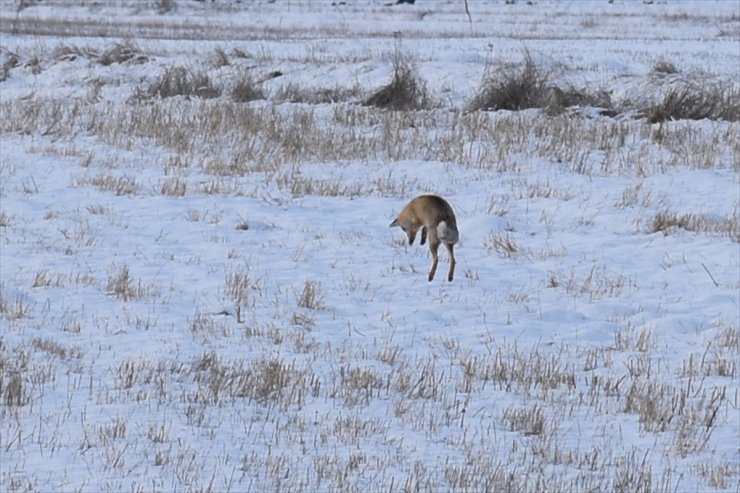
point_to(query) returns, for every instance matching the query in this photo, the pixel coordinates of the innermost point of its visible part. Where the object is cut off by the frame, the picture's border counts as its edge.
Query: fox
(436, 219)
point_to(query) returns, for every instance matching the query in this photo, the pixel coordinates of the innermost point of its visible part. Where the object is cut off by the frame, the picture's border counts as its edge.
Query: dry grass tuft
(120, 185)
(10, 60)
(220, 58)
(697, 100)
(503, 244)
(5, 219)
(529, 421)
(664, 67)
(529, 86)
(174, 187)
(240, 287)
(311, 297)
(123, 286)
(559, 99)
(126, 52)
(246, 89)
(68, 53)
(668, 222)
(181, 81)
(264, 380)
(513, 89)
(165, 6)
(406, 90)
(296, 94)
(15, 366)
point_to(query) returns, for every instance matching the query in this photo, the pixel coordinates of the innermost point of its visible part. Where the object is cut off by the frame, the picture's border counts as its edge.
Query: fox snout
(408, 228)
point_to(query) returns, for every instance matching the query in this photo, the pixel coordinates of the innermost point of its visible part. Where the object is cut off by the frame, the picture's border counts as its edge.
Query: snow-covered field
(202, 293)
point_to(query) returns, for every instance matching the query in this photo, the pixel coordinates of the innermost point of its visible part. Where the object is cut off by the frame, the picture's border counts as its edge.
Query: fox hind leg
(433, 246)
(451, 273)
(423, 235)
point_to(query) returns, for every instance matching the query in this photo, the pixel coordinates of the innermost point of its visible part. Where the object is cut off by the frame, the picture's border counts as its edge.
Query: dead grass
(664, 67)
(512, 88)
(717, 474)
(502, 244)
(270, 381)
(124, 287)
(694, 99)
(406, 90)
(242, 288)
(526, 420)
(69, 53)
(558, 100)
(10, 61)
(294, 93)
(246, 89)
(126, 52)
(531, 86)
(174, 187)
(426, 397)
(265, 137)
(120, 185)
(220, 58)
(669, 222)
(311, 297)
(5, 219)
(14, 309)
(181, 81)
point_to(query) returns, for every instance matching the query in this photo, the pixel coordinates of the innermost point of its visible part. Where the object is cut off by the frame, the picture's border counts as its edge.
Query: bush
(559, 99)
(406, 91)
(246, 89)
(515, 89)
(664, 67)
(529, 86)
(666, 222)
(696, 101)
(10, 60)
(180, 81)
(220, 58)
(70, 53)
(126, 52)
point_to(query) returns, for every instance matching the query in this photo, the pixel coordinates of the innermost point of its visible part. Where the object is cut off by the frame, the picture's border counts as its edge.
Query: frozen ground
(201, 294)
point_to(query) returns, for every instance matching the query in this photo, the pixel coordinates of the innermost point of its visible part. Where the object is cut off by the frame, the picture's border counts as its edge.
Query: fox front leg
(423, 235)
(411, 232)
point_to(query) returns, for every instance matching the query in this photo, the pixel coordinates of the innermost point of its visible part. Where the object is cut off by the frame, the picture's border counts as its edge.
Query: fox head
(407, 226)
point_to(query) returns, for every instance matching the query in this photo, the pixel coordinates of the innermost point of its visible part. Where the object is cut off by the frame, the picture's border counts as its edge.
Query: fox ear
(394, 223)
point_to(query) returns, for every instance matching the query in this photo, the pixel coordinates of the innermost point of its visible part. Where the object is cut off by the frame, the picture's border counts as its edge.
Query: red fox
(435, 217)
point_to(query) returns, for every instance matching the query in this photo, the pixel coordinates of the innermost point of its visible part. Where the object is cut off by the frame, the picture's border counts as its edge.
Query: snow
(265, 330)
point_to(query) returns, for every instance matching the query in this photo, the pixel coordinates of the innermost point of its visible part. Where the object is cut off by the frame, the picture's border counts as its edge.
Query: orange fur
(434, 216)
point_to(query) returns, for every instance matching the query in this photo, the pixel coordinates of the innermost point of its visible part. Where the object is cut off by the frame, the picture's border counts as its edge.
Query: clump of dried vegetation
(295, 93)
(666, 222)
(181, 81)
(664, 67)
(531, 86)
(68, 53)
(406, 90)
(246, 89)
(512, 89)
(10, 61)
(126, 52)
(696, 99)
